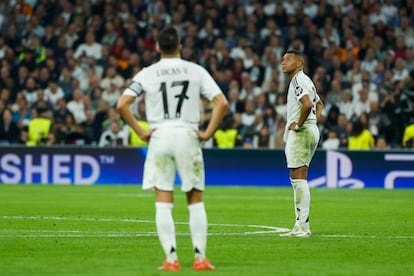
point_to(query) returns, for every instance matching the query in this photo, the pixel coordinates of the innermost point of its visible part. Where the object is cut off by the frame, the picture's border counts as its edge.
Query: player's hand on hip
(202, 135)
(294, 126)
(146, 135)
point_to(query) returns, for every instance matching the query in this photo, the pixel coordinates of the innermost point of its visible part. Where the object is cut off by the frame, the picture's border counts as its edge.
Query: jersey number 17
(181, 97)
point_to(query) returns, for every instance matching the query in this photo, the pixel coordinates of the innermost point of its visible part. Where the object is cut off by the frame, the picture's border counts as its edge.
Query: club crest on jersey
(298, 91)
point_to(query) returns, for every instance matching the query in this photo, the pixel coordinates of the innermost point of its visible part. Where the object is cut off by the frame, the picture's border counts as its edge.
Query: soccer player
(172, 88)
(301, 136)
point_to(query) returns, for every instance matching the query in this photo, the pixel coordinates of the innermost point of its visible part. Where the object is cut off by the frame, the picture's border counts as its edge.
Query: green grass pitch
(110, 230)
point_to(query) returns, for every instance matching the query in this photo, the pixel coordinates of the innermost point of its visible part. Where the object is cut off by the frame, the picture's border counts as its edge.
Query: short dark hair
(297, 53)
(168, 40)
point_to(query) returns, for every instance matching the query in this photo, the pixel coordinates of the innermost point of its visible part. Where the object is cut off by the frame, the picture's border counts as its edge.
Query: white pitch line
(366, 236)
(76, 219)
(80, 234)
(119, 235)
(138, 221)
(10, 233)
(154, 234)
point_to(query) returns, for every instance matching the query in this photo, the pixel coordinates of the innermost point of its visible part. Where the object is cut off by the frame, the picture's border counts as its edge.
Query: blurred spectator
(345, 104)
(342, 129)
(101, 115)
(39, 129)
(354, 74)
(332, 142)
(334, 95)
(3, 47)
(381, 143)
(112, 115)
(5, 98)
(281, 106)
(90, 48)
(77, 107)
(360, 138)
(110, 35)
(236, 105)
(88, 127)
(27, 58)
(43, 77)
(50, 39)
(9, 132)
(30, 90)
(53, 93)
(400, 47)
(370, 62)
(113, 136)
(71, 36)
(118, 47)
(59, 52)
(36, 47)
(379, 123)
(65, 83)
(331, 119)
(134, 139)
(227, 135)
(111, 94)
(361, 104)
(59, 114)
(79, 73)
(68, 131)
(399, 72)
(21, 111)
(112, 77)
(249, 89)
(409, 59)
(408, 137)
(42, 101)
(263, 138)
(248, 116)
(21, 78)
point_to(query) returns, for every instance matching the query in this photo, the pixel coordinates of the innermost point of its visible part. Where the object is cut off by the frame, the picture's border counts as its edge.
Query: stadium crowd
(65, 63)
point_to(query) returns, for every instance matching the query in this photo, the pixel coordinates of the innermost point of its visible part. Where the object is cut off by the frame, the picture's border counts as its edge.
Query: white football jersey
(173, 88)
(299, 86)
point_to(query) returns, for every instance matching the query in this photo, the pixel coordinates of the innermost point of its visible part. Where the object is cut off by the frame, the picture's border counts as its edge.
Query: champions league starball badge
(298, 91)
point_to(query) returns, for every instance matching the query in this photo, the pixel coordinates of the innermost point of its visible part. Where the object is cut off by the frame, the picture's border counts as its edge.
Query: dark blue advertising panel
(330, 169)
(66, 165)
(90, 165)
(363, 169)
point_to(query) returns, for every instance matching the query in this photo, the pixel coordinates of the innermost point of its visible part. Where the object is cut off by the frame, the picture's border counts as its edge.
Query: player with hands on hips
(301, 136)
(172, 89)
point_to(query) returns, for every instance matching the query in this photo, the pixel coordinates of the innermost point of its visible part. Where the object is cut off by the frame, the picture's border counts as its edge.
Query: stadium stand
(360, 49)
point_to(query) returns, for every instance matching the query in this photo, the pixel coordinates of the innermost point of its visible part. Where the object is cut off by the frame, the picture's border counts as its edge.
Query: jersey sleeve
(136, 88)
(209, 87)
(301, 88)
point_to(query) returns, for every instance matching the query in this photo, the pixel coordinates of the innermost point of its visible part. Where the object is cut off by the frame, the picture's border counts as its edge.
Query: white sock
(302, 200)
(198, 229)
(166, 229)
(294, 203)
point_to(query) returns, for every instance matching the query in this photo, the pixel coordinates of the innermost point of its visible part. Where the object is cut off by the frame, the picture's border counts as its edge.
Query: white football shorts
(172, 150)
(301, 146)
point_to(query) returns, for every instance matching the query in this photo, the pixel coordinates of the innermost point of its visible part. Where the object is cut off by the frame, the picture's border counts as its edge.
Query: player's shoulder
(147, 71)
(301, 79)
(192, 64)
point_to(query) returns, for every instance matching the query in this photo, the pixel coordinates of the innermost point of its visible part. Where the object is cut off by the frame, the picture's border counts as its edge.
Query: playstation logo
(338, 173)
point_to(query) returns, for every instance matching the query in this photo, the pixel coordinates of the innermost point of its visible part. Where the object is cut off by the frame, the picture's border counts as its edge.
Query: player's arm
(124, 108)
(220, 108)
(304, 112)
(319, 107)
